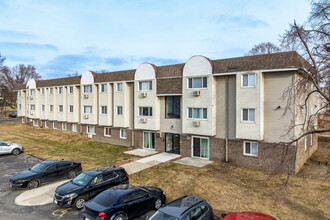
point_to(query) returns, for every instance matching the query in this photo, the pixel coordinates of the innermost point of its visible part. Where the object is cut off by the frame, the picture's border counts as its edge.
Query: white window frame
(51, 91)
(149, 82)
(60, 90)
(46, 124)
(34, 107)
(192, 147)
(122, 137)
(35, 123)
(105, 129)
(202, 118)
(43, 108)
(59, 108)
(71, 106)
(64, 126)
(23, 120)
(101, 109)
(42, 91)
(32, 91)
(250, 154)
(87, 129)
(249, 109)
(19, 106)
(74, 127)
(88, 86)
(249, 74)
(51, 108)
(192, 82)
(54, 123)
(69, 90)
(149, 111)
(122, 110)
(85, 109)
(118, 87)
(102, 86)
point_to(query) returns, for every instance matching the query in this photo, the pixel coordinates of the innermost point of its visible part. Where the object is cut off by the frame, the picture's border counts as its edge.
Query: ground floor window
(91, 129)
(107, 132)
(63, 126)
(46, 124)
(172, 143)
(35, 123)
(74, 127)
(250, 148)
(148, 140)
(23, 120)
(200, 147)
(123, 133)
(55, 125)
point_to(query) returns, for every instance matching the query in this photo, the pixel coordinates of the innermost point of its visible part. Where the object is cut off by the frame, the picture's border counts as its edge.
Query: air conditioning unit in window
(31, 113)
(86, 96)
(186, 137)
(31, 97)
(196, 93)
(143, 120)
(196, 123)
(86, 116)
(144, 94)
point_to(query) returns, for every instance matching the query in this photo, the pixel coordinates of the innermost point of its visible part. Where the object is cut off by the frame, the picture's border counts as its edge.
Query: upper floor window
(104, 110)
(119, 110)
(145, 111)
(19, 92)
(60, 90)
(88, 109)
(71, 89)
(249, 114)
(104, 87)
(197, 113)
(197, 83)
(42, 107)
(42, 91)
(51, 90)
(60, 108)
(33, 107)
(71, 108)
(119, 87)
(19, 106)
(250, 148)
(172, 106)
(32, 92)
(145, 86)
(249, 80)
(51, 108)
(88, 89)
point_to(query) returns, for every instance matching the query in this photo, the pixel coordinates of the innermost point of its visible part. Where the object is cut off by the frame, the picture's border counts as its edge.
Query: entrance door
(148, 140)
(172, 143)
(200, 147)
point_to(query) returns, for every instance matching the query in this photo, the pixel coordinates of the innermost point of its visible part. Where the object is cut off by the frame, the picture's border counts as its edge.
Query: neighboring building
(229, 109)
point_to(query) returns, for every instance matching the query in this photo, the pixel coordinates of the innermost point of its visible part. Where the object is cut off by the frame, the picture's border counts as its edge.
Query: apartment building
(221, 110)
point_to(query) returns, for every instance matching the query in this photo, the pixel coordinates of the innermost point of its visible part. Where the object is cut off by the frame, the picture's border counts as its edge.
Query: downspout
(132, 139)
(226, 130)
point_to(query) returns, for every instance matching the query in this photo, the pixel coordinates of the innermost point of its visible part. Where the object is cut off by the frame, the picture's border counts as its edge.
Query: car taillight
(212, 209)
(127, 176)
(102, 215)
(84, 208)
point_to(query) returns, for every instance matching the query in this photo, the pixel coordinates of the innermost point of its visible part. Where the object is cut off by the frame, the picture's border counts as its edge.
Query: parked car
(45, 171)
(88, 184)
(10, 148)
(187, 208)
(123, 202)
(12, 114)
(246, 216)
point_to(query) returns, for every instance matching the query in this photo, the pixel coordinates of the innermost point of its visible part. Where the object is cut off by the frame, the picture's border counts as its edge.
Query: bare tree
(264, 48)
(76, 73)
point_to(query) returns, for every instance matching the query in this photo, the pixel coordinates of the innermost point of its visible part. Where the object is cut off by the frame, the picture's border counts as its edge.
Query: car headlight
(71, 196)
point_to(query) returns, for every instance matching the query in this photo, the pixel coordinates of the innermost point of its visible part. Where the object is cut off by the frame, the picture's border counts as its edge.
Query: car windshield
(82, 179)
(162, 216)
(105, 199)
(38, 168)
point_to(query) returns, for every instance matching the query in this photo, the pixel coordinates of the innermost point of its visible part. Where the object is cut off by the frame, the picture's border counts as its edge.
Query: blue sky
(62, 37)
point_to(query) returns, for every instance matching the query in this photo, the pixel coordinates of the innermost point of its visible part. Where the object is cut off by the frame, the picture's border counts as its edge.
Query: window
(32, 92)
(51, 90)
(55, 125)
(23, 120)
(42, 91)
(74, 127)
(250, 148)
(35, 123)
(123, 133)
(197, 113)
(46, 124)
(91, 129)
(145, 111)
(172, 106)
(104, 110)
(104, 87)
(200, 147)
(71, 89)
(33, 107)
(88, 89)
(60, 90)
(107, 132)
(249, 115)
(197, 83)
(88, 109)
(119, 87)
(19, 106)
(63, 126)
(119, 110)
(60, 108)
(249, 80)
(145, 86)
(71, 108)
(148, 140)
(51, 108)
(43, 108)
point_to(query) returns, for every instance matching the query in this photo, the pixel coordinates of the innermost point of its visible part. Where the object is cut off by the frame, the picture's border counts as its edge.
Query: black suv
(187, 208)
(88, 184)
(45, 171)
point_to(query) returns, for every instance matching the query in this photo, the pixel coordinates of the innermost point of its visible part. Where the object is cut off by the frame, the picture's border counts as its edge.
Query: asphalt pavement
(7, 119)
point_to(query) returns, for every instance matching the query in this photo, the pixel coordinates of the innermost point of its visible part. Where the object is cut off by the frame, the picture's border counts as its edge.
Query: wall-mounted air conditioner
(86, 116)
(144, 94)
(86, 96)
(186, 137)
(196, 123)
(143, 120)
(196, 93)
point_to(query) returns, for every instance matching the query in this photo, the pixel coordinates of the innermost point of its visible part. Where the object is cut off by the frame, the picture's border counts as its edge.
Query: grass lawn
(8, 109)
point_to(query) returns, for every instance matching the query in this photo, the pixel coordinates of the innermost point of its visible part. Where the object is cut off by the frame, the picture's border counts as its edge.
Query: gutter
(265, 71)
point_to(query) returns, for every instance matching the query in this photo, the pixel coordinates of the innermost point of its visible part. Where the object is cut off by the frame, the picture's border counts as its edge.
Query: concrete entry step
(192, 161)
(141, 152)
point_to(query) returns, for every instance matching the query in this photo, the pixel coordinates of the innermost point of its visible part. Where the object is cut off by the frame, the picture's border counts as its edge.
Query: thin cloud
(242, 21)
(5, 34)
(27, 46)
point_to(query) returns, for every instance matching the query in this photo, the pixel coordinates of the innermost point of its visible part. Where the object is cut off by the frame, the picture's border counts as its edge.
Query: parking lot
(9, 210)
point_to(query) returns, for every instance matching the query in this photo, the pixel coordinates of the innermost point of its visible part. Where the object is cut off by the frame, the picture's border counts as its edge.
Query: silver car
(10, 148)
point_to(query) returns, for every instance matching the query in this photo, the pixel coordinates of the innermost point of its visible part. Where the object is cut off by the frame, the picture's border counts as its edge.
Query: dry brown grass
(57, 144)
(4, 114)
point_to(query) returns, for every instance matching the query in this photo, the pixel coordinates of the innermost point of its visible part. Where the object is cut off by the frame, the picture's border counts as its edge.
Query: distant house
(221, 110)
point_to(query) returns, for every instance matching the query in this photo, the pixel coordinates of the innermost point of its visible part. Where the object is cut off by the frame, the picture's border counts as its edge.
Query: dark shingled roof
(281, 60)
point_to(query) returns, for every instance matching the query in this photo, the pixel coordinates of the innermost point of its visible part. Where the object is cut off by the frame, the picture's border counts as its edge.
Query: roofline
(269, 70)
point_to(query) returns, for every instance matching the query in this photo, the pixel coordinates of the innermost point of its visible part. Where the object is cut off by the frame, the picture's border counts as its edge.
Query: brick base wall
(115, 136)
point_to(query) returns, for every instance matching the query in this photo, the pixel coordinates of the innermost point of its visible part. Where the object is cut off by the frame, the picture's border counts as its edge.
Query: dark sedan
(123, 202)
(45, 171)
(12, 114)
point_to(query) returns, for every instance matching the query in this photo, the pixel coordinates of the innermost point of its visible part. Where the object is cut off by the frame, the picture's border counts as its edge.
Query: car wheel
(79, 202)
(158, 203)
(120, 217)
(33, 184)
(16, 151)
(72, 174)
